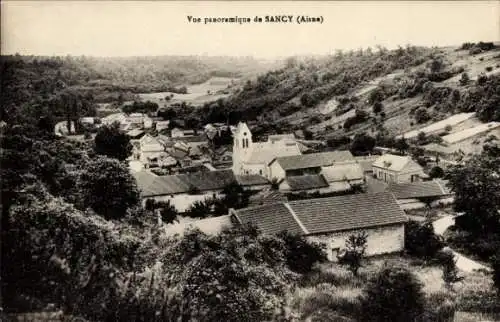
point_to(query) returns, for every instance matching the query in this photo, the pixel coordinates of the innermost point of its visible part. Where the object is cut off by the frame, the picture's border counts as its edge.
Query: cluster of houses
(321, 195)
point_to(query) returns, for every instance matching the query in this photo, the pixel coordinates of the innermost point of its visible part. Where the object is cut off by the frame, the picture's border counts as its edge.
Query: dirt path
(463, 263)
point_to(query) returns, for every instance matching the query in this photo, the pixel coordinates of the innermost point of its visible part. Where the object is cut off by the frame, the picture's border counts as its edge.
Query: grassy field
(211, 90)
(332, 288)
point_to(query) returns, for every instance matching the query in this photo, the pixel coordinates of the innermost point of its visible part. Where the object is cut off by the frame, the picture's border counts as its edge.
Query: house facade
(392, 168)
(331, 221)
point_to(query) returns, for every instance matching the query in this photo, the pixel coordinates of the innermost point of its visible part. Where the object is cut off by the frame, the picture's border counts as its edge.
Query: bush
(378, 107)
(394, 294)
(440, 307)
(422, 115)
(464, 80)
(421, 241)
(489, 68)
(436, 172)
(495, 265)
(301, 255)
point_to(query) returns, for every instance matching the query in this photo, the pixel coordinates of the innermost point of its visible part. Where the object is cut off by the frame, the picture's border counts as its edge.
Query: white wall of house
(410, 173)
(183, 201)
(254, 168)
(276, 171)
(380, 240)
(257, 187)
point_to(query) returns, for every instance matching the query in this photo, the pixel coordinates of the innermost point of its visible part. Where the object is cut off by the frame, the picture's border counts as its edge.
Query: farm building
(253, 157)
(266, 197)
(184, 189)
(397, 169)
(331, 221)
(416, 195)
(366, 162)
(148, 150)
(317, 172)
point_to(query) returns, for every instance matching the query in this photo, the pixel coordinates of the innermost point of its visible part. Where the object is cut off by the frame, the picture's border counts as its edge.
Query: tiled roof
(418, 189)
(271, 218)
(393, 162)
(265, 197)
(342, 172)
(182, 183)
(306, 182)
(348, 212)
(252, 180)
(326, 215)
(366, 163)
(265, 152)
(313, 160)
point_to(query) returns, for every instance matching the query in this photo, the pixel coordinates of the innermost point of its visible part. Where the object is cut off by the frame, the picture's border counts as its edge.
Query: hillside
(41, 81)
(384, 93)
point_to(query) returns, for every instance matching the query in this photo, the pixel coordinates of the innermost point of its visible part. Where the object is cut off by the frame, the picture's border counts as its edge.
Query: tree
(436, 172)
(301, 255)
(168, 212)
(476, 184)
(422, 115)
(112, 142)
(464, 79)
(355, 252)
(108, 188)
(421, 241)
(199, 209)
(378, 107)
(401, 145)
(394, 294)
(450, 271)
(362, 144)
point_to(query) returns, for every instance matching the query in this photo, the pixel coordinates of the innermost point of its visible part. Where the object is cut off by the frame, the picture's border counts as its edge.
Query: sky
(141, 28)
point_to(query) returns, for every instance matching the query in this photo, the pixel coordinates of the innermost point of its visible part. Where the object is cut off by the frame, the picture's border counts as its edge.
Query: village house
(161, 125)
(183, 190)
(322, 173)
(331, 221)
(149, 151)
(253, 157)
(421, 194)
(397, 169)
(179, 133)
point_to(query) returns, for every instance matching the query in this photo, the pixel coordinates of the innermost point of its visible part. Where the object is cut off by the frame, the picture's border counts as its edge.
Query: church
(250, 158)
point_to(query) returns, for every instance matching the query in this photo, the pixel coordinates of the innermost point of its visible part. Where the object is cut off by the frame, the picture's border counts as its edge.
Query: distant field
(197, 94)
(434, 127)
(470, 132)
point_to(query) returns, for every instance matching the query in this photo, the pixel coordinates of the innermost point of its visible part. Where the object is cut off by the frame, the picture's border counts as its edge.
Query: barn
(331, 221)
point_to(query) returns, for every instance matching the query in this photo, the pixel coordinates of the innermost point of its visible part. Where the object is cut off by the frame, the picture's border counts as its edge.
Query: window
(260, 172)
(335, 252)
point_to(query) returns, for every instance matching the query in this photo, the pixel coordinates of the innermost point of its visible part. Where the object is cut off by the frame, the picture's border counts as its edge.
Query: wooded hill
(375, 91)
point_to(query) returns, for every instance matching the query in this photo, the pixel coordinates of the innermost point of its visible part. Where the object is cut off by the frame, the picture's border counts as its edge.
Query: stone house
(331, 221)
(397, 169)
(415, 195)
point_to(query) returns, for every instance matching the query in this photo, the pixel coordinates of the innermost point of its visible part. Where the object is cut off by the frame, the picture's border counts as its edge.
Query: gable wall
(381, 240)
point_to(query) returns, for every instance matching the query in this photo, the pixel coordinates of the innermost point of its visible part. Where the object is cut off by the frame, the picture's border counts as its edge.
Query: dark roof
(265, 197)
(151, 185)
(271, 218)
(326, 215)
(252, 180)
(313, 160)
(306, 182)
(348, 212)
(191, 139)
(419, 189)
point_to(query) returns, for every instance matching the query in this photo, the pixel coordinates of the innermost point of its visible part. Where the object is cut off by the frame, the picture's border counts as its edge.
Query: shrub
(378, 107)
(489, 68)
(394, 294)
(355, 252)
(421, 241)
(464, 80)
(440, 307)
(448, 263)
(448, 128)
(422, 115)
(301, 255)
(436, 172)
